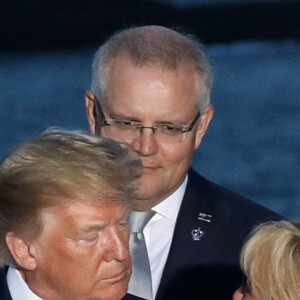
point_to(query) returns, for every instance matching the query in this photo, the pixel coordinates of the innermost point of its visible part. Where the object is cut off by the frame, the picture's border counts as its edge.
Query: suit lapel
(181, 258)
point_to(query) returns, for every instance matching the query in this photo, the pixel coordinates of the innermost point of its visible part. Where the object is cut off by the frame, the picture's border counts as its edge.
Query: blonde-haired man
(64, 203)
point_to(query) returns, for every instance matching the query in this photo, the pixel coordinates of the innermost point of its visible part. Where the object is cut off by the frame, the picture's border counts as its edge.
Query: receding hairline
(152, 45)
(149, 44)
(149, 63)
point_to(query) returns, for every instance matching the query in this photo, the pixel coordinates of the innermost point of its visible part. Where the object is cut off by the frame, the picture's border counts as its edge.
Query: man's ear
(90, 110)
(20, 250)
(203, 124)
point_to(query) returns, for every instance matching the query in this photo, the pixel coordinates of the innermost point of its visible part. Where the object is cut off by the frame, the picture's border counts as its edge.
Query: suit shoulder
(228, 202)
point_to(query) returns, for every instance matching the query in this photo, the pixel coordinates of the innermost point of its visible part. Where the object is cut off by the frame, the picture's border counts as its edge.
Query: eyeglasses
(130, 130)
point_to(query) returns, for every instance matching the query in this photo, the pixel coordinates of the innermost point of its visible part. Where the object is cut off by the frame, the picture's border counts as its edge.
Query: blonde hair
(59, 167)
(271, 261)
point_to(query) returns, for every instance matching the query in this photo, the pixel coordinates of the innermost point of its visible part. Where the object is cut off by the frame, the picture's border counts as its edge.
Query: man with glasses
(151, 88)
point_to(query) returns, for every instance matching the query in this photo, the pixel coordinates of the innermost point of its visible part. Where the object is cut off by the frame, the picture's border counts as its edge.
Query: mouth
(119, 276)
(149, 167)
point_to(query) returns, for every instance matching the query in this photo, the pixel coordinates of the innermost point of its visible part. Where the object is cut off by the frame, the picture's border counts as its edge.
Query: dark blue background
(252, 145)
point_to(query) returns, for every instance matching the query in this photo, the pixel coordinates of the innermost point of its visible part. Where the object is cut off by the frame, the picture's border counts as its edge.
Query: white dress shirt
(17, 286)
(159, 233)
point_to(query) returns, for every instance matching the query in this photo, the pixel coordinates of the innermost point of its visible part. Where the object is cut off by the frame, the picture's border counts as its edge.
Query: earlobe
(20, 251)
(238, 295)
(90, 110)
(203, 124)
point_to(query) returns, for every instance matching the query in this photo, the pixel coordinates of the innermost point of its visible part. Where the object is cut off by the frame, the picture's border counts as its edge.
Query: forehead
(151, 88)
(123, 67)
(75, 214)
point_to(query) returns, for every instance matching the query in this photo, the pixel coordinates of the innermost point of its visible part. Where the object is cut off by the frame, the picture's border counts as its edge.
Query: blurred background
(252, 145)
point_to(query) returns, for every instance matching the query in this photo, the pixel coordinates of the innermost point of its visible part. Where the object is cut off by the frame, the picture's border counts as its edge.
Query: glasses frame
(108, 122)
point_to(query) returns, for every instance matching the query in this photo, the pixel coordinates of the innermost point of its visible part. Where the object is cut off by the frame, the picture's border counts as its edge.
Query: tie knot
(139, 219)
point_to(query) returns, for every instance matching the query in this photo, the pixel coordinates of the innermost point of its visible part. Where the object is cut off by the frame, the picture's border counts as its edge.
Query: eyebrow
(91, 228)
(136, 119)
(120, 116)
(98, 227)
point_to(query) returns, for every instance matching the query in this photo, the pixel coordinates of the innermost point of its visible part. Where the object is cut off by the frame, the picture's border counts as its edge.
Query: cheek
(71, 256)
(51, 249)
(83, 268)
(181, 153)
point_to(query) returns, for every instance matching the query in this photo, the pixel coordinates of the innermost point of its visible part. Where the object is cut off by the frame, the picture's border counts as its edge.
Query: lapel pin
(204, 217)
(197, 234)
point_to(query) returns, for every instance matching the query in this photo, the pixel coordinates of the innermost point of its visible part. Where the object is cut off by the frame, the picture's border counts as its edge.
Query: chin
(148, 192)
(116, 293)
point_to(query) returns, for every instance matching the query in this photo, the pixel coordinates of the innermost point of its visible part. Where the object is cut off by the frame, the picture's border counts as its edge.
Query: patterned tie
(140, 283)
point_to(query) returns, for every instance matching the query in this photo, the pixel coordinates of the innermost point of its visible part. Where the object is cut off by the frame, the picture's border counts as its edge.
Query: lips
(116, 277)
(149, 165)
(148, 169)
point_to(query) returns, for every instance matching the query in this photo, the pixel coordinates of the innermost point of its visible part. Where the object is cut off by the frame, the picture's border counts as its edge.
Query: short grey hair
(60, 167)
(154, 44)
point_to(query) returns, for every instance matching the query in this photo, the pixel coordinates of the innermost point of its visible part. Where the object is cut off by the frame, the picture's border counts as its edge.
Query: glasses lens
(127, 131)
(166, 135)
(121, 131)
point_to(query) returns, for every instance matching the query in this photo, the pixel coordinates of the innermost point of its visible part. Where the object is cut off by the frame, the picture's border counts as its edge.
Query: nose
(146, 143)
(117, 245)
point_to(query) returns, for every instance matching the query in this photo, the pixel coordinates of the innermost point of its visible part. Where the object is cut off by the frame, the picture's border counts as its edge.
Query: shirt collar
(169, 207)
(17, 286)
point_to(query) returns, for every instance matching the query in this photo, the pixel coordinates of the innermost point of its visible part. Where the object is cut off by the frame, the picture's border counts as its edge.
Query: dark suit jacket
(209, 268)
(130, 297)
(4, 292)
(5, 295)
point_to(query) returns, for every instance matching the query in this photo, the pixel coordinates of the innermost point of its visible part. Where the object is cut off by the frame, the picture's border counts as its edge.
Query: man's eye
(170, 127)
(127, 123)
(88, 239)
